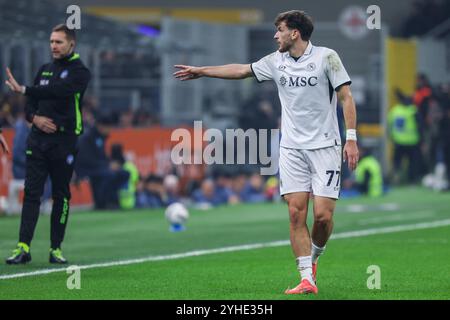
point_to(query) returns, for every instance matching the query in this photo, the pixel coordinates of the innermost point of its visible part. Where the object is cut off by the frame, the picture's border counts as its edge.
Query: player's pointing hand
(187, 72)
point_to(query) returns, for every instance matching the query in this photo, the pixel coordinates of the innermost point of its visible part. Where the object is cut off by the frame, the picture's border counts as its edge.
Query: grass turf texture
(414, 264)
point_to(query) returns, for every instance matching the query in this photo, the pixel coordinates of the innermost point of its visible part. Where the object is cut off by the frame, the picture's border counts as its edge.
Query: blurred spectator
(143, 118)
(421, 99)
(90, 108)
(22, 129)
(171, 185)
(224, 189)
(206, 197)
(153, 194)
(272, 189)
(422, 95)
(432, 144)
(253, 190)
(238, 183)
(91, 155)
(368, 174)
(126, 119)
(93, 163)
(127, 191)
(10, 106)
(404, 132)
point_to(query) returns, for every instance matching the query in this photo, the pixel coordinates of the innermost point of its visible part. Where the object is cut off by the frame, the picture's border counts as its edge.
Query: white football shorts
(317, 171)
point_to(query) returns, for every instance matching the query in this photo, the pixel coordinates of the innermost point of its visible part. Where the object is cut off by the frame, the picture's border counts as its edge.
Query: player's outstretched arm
(229, 71)
(351, 153)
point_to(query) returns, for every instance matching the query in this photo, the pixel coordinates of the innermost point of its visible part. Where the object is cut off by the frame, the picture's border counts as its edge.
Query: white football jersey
(306, 88)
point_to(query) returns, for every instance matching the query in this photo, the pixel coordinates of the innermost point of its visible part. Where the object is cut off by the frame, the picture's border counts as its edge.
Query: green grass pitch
(414, 263)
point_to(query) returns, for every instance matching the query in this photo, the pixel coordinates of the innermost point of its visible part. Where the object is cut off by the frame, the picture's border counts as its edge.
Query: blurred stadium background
(131, 47)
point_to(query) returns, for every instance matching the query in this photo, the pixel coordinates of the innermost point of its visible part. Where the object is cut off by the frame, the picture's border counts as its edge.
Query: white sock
(316, 252)
(304, 266)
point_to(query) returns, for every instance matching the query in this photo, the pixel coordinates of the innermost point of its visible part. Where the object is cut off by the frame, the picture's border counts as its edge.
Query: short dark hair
(70, 33)
(297, 19)
(154, 178)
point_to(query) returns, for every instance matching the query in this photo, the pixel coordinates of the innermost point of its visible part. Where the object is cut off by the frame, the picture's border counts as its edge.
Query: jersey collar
(308, 48)
(307, 52)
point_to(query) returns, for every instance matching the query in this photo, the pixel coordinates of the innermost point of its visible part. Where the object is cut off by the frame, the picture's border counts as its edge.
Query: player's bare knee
(324, 217)
(297, 214)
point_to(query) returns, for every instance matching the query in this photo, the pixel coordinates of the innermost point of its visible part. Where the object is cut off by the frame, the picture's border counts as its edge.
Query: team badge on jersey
(64, 74)
(283, 81)
(311, 66)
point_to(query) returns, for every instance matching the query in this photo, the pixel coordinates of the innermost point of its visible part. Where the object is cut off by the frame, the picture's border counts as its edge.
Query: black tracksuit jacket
(57, 93)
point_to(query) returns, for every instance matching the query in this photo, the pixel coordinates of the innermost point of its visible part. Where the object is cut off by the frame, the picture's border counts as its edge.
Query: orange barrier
(6, 163)
(149, 149)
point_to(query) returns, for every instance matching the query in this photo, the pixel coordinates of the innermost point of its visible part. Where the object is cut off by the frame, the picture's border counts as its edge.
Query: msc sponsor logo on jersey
(283, 81)
(298, 81)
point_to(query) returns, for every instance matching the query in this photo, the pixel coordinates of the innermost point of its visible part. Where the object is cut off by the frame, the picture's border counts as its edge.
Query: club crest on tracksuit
(70, 159)
(64, 74)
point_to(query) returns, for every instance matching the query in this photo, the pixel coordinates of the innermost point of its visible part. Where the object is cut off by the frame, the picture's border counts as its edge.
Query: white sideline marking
(342, 235)
(399, 217)
(358, 208)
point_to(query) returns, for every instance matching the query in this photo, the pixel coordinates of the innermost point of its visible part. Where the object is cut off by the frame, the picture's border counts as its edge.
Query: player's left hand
(351, 154)
(12, 83)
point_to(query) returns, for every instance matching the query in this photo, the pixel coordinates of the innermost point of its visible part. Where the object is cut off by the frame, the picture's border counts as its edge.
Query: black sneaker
(21, 255)
(57, 257)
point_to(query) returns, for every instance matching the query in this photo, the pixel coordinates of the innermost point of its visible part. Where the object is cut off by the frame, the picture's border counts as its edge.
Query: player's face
(283, 37)
(60, 45)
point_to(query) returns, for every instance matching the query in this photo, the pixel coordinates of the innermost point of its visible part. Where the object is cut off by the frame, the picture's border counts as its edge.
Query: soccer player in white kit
(310, 79)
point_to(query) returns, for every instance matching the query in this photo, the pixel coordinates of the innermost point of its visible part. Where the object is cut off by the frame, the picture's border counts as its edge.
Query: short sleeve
(335, 70)
(262, 69)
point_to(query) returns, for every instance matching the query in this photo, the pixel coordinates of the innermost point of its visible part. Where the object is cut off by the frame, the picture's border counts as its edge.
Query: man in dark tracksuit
(54, 109)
